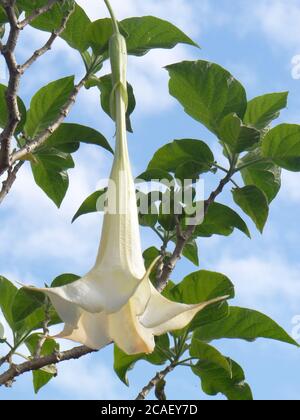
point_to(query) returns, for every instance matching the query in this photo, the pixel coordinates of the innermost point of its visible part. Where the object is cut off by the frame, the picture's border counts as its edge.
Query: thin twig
(38, 12)
(48, 45)
(45, 334)
(16, 370)
(11, 178)
(39, 140)
(186, 235)
(160, 376)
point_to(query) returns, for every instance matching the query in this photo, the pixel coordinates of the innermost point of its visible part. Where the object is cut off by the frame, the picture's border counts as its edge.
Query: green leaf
(4, 113)
(244, 324)
(221, 220)
(76, 30)
(124, 363)
(190, 170)
(148, 213)
(175, 154)
(7, 295)
(25, 303)
(254, 203)
(46, 105)
(261, 111)
(202, 286)
(43, 376)
(264, 175)
(76, 27)
(64, 279)
(3, 16)
(282, 146)
(47, 21)
(190, 251)
(207, 353)
(105, 86)
(49, 169)
(93, 204)
(207, 92)
(142, 34)
(217, 380)
(237, 136)
(75, 134)
(148, 32)
(157, 175)
(150, 255)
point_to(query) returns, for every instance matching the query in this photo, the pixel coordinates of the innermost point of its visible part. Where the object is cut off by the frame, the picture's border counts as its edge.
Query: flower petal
(127, 332)
(91, 331)
(162, 315)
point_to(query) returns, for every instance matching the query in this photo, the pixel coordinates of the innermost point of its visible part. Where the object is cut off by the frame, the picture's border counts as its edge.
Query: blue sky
(255, 41)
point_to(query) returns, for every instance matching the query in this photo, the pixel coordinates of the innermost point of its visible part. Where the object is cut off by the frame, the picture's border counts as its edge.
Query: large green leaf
(207, 92)
(254, 203)
(202, 286)
(244, 324)
(265, 175)
(7, 295)
(174, 154)
(75, 33)
(217, 380)
(91, 204)
(207, 353)
(47, 21)
(46, 105)
(74, 134)
(49, 169)
(76, 29)
(148, 32)
(4, 113)
(124, 362)
(142, 34)
(221, 220)
(237, 136)
(43, 376)
(282, 146)
(262, 110)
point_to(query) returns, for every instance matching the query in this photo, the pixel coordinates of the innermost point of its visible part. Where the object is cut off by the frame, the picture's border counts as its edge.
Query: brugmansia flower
(116, 301)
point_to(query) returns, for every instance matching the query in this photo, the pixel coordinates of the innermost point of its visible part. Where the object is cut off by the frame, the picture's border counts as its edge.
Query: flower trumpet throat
(115, 301)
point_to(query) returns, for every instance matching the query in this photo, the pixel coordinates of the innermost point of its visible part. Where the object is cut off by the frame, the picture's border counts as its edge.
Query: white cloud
(262, 281)
(280, 21)
(290, 187)
(89, 379)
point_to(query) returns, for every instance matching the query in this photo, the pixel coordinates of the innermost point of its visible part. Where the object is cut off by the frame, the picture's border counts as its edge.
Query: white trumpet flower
(115, 301)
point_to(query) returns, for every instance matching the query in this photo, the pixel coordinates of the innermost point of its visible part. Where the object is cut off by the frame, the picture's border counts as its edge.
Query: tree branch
(11, 93)
(39, 140)
(16, 370)
(11, 178)
(154, 382)
(48, 45)
(186, 235)
(38, 12)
